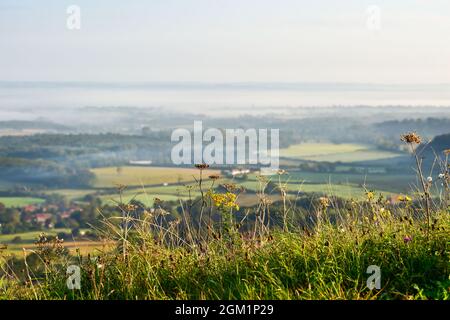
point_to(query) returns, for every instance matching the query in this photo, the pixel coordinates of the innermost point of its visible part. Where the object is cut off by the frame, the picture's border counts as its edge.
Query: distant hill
(427, 128)
(429, 152)
(439, 144)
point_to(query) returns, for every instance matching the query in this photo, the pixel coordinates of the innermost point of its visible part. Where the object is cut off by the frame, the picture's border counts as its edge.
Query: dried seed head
(411, 137)
(202, 166)
(230, 187)
(324, 202)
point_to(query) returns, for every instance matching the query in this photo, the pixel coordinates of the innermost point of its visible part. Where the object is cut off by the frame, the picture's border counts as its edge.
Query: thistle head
(411, 138)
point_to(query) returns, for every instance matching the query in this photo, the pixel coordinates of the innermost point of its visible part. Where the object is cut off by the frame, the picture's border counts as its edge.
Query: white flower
(441, 176)
(430, 179)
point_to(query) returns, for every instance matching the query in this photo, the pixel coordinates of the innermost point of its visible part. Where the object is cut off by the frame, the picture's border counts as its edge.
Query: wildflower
(160, 212)
(265, 200)
(129, 207)
(147, 214)
(385, 213)
(261, 179)
(157, 201)
(441, 176)
(446, 152)
(411, 138)
(174, 223)
(407, 239)
(324, 202)
(224, 201)
(430, 179)
(370, 195)
(230, 187)
(120, 187)
(214, 177)
(404, 198)
(281, 172)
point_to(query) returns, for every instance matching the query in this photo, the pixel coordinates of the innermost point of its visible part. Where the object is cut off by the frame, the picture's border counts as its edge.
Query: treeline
(23, 124)
(341, 129)
(64, 160)
(428, 128)
(87, 149)
(43, 172)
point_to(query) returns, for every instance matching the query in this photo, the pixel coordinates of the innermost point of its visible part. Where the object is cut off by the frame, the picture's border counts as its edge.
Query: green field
(340, 190)
(145, 198)
(30, 237)
(27, 239)
(146, 195)
(20, 201)
(137, 176)
(72, 194)
(345, 152)
(396, 183)
(146, 183)
(346, 185)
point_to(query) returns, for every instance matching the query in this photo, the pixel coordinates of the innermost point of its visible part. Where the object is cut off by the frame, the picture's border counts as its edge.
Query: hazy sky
(226, 40)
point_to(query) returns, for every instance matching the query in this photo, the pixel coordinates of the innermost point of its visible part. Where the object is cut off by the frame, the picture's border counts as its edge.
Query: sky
(227, 41)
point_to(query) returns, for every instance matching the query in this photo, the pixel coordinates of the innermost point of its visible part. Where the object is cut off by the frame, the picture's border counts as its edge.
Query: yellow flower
(384, 212)
(224, 200)
(404, 198)
(370, 195)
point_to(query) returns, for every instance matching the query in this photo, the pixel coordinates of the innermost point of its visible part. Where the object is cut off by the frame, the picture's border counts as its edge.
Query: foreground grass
(210, 248)
(327, 263)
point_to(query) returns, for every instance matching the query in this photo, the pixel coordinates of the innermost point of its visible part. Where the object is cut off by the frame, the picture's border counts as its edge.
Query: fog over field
(213, 98)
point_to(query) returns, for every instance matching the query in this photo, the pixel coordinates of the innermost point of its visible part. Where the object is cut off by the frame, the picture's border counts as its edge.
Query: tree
(16, 240)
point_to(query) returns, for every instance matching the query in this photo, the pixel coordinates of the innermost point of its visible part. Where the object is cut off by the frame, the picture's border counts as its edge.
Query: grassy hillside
(275, 251)
(268, 242)
(329, 262)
